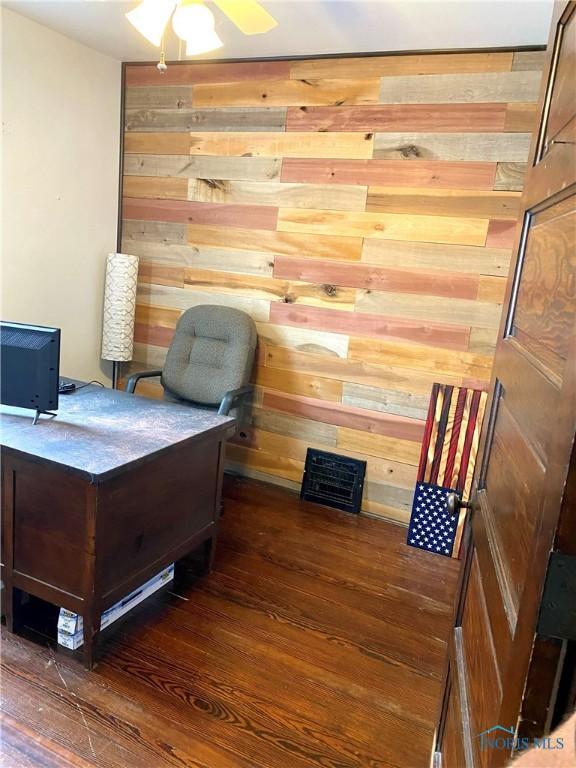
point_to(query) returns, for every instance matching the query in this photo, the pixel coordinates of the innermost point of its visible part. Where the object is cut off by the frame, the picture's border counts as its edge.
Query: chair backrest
(211, 353)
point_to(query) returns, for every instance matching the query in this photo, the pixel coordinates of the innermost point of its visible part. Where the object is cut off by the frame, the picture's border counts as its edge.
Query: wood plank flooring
(318, 640)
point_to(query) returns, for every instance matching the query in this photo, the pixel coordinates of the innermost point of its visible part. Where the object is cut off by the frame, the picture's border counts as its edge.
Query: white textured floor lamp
(119, 310)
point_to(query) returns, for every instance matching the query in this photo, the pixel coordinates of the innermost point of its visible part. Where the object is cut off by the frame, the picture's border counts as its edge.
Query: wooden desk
(104, 495)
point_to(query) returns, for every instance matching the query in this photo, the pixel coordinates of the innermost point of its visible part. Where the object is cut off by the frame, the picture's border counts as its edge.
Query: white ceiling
(308, 27)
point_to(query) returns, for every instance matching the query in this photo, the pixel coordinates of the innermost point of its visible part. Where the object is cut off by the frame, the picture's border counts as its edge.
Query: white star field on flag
(432, 528)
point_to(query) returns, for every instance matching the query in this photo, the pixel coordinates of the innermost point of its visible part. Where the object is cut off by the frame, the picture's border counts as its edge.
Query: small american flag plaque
(432, 527)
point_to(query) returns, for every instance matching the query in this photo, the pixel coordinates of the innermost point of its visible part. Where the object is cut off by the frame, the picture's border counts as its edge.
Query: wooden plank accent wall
(362, 210)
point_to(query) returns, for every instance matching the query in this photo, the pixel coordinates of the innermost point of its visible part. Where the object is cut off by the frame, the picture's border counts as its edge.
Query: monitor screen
(29, 366)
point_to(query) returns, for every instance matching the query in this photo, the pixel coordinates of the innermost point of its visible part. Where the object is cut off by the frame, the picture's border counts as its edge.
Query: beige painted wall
(60, 146)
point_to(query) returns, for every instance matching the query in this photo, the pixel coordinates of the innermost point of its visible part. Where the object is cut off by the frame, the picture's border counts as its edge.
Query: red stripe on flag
(427, 433)
(440, 437)
(451, 458)
(469, 438)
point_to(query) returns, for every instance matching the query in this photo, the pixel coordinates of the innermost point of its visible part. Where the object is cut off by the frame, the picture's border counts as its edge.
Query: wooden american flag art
(447, 461)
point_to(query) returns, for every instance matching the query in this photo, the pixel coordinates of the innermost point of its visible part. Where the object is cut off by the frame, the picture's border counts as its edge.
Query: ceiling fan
(194, 23)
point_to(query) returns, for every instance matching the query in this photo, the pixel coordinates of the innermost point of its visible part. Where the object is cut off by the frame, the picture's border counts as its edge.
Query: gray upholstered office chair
(210, 359)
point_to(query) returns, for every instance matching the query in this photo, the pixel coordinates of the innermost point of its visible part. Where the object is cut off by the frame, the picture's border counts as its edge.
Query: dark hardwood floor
(318, 640)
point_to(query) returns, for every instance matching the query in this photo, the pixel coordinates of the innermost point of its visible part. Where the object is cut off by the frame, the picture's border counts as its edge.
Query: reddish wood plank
(501, 234)
(222, 215)
(374, 422)
(189, 73)
(399, 117)
(396, 173)
(153, 334)
(373, 326)
(377, 278)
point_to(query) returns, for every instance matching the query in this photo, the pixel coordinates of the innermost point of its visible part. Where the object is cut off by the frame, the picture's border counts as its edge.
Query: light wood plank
(382, 374)
(474, 146)
(447, 284)
(312, 144)
(294, 427)
(201, 257)
(440, 118)
(332, 196)
(420, 357)
(303, 339)
(386, 496)
(388, 514)
(492, 289)
(232, 168)
(444, 89)
(402, 451)
(432, 308)
(181, 119)
(404, 64)
(390, 425)
(483, 341)
(281, 93)
(286, 292)
(285, 243)
(385, 400)
(155, 187)
(156, 143)
(521, 117)
(224, 215)
(190, 73)
(160, 274)
(178, 298)
(510, 176)
(158, 97)
(445, 229)
(377, 326)
(528, 60)
(297, 383)
(421, 173)
(269, 463)
(166, 232)
(149, 355)
(434, 256)
(449, 202)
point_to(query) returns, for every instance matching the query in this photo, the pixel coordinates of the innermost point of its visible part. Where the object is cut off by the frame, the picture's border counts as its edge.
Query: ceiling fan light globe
(203, 43)
(192, 20)
(150, 19)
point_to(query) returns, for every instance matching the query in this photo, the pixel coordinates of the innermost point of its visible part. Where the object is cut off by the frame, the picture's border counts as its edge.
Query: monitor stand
(39, 413)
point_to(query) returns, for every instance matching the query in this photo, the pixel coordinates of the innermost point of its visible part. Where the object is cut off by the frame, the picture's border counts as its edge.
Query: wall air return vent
(333, 480)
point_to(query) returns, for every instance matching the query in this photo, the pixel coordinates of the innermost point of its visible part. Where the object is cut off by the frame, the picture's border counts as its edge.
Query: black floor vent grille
(333, 480)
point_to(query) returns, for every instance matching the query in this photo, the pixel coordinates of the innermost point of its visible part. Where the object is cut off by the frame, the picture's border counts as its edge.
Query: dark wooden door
(519, 505)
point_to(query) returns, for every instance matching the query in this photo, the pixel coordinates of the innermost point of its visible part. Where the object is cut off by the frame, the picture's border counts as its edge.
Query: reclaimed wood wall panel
(204, 167)
(361, 210)
(447, 175)
(404, 117)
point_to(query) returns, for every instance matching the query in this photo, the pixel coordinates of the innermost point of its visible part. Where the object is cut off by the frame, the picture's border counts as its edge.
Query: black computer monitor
(29, 366)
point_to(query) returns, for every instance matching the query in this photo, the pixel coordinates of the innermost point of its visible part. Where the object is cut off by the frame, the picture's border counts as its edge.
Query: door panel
(542, 318)
(453, 755)
(512, 486)
(483, 676)
(562, 101)
(527, 442)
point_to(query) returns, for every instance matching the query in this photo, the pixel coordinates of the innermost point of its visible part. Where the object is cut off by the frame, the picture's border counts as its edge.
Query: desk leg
(90, 632)
(8, 597)
(210, 552)
(8, 604)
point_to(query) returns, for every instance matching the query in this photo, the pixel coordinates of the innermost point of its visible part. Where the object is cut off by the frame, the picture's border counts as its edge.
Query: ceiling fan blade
(248, 15)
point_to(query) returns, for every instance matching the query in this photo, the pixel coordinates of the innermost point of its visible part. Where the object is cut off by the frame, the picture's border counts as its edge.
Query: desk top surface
(98, 432)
